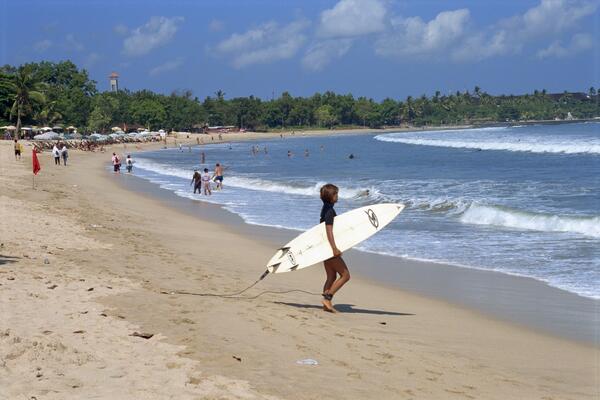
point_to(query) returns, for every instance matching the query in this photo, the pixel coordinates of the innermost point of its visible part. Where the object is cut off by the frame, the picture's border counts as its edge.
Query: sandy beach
(87, 271)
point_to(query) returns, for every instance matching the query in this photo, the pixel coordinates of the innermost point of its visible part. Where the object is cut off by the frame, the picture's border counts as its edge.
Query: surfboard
(349, 229)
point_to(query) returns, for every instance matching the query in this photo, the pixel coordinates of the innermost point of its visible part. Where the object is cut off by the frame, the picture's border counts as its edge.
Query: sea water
(521, 200)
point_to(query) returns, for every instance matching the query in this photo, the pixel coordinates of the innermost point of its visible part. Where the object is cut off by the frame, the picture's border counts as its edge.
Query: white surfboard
(349, 229)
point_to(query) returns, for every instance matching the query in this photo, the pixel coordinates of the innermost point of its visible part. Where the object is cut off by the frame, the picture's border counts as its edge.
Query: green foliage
(48, 93)
(325, 116)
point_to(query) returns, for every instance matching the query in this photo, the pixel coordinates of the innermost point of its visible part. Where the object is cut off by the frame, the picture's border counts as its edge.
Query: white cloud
(579, 42)
(73, 44)
(554, 16)
(216, 25)
(415, 37)
(264, 44)
(120, 29)
(509, 36)
(42, 45)
(166, 67)
(322, 53)
(350, 18)
(157, 32)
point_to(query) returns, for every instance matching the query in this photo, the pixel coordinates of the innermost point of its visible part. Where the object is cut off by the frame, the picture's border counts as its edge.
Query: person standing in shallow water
(197, 182)
(335, 265)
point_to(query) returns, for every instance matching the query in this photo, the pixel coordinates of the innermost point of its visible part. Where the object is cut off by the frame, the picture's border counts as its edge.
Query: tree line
(48, 93)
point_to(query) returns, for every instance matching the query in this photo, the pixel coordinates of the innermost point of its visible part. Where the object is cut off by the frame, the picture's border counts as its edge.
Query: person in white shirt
(56, 155)
(129, 163)
(65, 154)
(206, 182)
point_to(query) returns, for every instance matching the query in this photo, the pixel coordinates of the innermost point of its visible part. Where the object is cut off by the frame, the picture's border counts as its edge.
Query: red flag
(36, 163)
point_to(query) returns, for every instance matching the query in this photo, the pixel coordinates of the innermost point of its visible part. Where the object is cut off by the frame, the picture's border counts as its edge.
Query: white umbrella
(47, 136)
(115, 128)
(46, 128)
(10, 127)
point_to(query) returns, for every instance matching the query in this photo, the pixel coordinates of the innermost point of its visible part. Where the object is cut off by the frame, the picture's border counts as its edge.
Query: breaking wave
(493, 139)
(258, 184)
(510, 218)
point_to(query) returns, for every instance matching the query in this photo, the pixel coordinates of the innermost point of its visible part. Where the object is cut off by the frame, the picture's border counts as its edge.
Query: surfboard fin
(273, 267)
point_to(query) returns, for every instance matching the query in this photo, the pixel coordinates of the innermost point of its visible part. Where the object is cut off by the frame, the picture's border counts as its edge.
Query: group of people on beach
(201, 181)
(60, 151)
(116, 162)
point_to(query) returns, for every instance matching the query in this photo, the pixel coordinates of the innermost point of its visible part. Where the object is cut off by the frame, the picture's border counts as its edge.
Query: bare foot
(327, 306)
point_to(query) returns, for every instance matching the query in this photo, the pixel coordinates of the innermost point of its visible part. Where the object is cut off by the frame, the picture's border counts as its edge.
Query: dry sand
(83, 262)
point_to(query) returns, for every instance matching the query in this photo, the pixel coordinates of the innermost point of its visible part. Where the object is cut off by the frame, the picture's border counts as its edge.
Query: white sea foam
(500, 216)
(533, 147)
(495, 138)
(261, 184)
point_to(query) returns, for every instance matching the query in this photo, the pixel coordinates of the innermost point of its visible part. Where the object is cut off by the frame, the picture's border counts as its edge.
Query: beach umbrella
(115, 128)
(47, 136)
(71, 128)
(26, 129)
(46, 128)
(10, 128)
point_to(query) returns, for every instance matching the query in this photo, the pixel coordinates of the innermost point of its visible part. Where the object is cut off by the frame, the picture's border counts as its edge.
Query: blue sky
(373, 48)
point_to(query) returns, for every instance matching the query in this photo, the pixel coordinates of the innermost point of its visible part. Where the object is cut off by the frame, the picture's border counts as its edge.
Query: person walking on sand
(64, 154)
(18, 150)
(116, 163)
(56, 155)
(218, 176)
(335, 265)
(206, 182)
(129, 163)
(197, 182)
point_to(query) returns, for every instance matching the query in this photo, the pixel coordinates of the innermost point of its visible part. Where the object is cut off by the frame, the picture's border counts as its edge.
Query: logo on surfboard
(372, 218)
(291, 258)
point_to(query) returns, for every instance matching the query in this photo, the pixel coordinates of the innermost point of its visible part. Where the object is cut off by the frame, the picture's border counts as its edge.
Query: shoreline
(515, 299)
(385, 344)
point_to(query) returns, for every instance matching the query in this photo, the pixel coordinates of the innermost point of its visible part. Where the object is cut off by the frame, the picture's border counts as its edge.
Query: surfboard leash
(237, 295)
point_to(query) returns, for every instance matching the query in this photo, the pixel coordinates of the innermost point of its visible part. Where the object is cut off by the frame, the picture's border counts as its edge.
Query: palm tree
(48, 114)
(24, 89)
(220, 95)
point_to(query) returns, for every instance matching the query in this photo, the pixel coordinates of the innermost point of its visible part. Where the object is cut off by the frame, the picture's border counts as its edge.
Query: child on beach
(129, 163)
(335, 265)
(206, 182)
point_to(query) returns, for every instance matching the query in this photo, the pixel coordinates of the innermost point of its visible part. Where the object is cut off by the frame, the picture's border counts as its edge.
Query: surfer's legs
(331, 275)
(338, 265)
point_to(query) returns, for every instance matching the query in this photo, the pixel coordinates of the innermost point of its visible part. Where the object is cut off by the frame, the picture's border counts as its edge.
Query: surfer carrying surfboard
(335, 265)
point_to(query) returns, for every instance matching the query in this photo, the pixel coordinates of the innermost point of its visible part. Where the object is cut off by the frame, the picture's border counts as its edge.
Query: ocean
(521, 200)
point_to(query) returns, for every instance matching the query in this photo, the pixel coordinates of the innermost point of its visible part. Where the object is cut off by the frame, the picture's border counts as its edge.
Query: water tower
(114, 82)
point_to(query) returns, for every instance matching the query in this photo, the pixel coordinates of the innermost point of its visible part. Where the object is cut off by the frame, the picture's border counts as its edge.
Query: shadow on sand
(7, 259)
(344, 308)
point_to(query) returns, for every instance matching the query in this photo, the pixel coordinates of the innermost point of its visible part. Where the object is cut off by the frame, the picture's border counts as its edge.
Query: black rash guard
(327, 213)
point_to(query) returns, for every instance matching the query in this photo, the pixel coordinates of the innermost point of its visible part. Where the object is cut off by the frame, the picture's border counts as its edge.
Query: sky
(372, 48)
